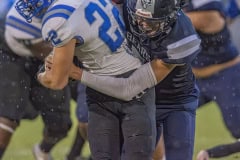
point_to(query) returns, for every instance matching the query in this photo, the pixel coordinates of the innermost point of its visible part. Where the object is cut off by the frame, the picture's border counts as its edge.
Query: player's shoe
(39, 154)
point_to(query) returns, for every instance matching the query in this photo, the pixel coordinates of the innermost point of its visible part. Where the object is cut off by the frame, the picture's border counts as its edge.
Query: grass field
(210, 131)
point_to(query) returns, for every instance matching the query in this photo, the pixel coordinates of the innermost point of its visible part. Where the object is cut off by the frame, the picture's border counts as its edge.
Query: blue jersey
(180, 46)
(218, 47)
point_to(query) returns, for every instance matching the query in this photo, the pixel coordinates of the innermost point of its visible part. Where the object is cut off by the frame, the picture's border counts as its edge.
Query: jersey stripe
(24, 26)
(63, 11)
(184, 47)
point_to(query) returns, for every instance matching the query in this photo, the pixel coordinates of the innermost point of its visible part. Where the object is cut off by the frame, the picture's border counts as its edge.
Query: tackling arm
(147, 76)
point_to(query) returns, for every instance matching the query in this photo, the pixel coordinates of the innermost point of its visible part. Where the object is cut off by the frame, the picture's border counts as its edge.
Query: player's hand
(75, 73)
(203, 155)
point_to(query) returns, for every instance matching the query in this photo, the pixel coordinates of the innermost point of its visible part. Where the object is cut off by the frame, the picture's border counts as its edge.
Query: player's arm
(147, 76)
(40, 49)
(57, 76)
(215, 68)
(206, 21)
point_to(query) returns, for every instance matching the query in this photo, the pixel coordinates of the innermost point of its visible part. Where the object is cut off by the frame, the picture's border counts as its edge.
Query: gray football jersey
(99, 30)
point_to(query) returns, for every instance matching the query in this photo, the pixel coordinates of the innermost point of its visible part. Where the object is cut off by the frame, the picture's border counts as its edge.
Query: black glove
(77, 62)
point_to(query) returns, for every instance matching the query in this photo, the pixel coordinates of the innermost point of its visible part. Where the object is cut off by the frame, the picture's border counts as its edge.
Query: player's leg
(76, 147)
(206, 93)
(7, 128)
(54, 107)
(227, 98)
(82, 110)
(219, 151)
(81, 130)
(179, 131)
(14, 96)
(159, 153)
(103, 126)
(139, 127)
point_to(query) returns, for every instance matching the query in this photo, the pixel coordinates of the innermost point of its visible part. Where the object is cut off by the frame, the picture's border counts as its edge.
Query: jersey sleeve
(182, 44)
(20, 34)
(55, 25)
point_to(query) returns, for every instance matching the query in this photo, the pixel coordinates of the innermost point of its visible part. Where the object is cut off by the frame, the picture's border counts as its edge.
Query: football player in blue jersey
(94, 32)
(21, 96)
(160, 32)
(217, 68)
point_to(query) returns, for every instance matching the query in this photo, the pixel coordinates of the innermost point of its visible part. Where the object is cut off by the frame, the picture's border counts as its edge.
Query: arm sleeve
(122, 88)
(224, 150)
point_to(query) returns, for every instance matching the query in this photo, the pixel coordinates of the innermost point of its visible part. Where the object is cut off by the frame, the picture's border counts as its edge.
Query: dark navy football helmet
(30, 8)
(152, 18)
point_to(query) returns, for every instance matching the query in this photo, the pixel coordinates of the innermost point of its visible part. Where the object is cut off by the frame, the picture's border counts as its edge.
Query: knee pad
(236, 133)
(7, 128)
(8, 125)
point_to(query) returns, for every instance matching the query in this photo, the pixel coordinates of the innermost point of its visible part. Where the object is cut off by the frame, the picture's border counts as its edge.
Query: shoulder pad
(182, 43)
(54, 23)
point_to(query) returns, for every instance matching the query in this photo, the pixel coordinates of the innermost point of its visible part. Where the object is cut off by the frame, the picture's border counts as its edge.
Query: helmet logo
(146, 3)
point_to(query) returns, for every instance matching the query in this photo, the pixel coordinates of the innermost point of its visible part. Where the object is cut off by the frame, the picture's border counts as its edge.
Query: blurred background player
(217, 69)
(78, 94)
(21, 96)
(4, 7)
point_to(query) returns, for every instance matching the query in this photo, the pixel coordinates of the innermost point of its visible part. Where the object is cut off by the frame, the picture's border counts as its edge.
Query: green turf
(210, 131)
